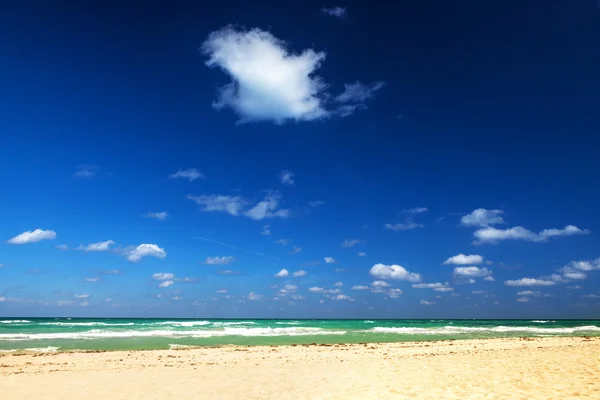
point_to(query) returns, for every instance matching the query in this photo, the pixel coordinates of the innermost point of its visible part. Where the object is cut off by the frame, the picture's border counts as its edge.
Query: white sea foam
(368, 322)
(49, 349)
(541, 321)
(186, 324)
(288, 323)
(15, 321)
(448, 330)
(233, 323)
(181, 346)
(103, 334)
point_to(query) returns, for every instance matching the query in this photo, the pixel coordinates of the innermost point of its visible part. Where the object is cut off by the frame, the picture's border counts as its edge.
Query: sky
(428, 159)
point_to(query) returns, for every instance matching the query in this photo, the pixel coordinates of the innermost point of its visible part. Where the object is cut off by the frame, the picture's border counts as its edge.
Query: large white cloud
(493, 235)
(482, 217)
(145, 250)
(462, 259)
(271, 83)
(32, 237)
(397, 272)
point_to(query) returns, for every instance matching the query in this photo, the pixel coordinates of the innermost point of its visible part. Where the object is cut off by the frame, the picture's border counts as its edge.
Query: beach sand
(540, 368)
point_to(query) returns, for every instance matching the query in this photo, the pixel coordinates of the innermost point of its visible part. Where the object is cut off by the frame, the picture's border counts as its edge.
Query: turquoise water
(65, 334)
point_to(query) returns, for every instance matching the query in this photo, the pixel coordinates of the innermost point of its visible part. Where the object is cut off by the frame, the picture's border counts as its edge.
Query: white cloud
(362, 254)
(380, 284)
(282, 274)
(341, 297)
(177, 298)
(316, 203)
(403, 226)
(266, 231)
(338, 284)
(436, 285)
(232, 205)
(107, 300)
(330, 260)
(161, 215)
(296, 249)
(99, 246)
(427, 303)
(219, 260)
(471, 272)
(283, 242)
(590, 296)
(222, 291)
(339, 12)
(81, 296)
(522, 299)
(397, 272)
(493, 235)
(360, 287)
(478, 292)
(287, 177)
(339, 269)
(268, 208)
(489, 279)
(592, 265)
(350, 242)
(144, 250)
(85, 171)
(530, 282)
(394, 293)
(163, 276)
(166, 284)
(32, 237)
(191, 173)
(299, 273)
(444, 289)
(84, 304)
(416, 210)
(254, 296)
(527, 293)
(316, 289)
(574, 287)
(462, 259)
(482, 218)
(62, 247)
(92, 279)
(354, 96)
(268, 82)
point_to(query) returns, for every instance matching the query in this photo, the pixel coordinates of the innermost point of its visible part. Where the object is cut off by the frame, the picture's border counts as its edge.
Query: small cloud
(99, 246)
(380, 284)
(110, 272)
(403, 226)
(350, 242)
(162, 215)
(482, 218)
(85, 171)
(341, 297)
(62, 247)
(416, 210)
(287, 177)
(330, 260)
(254, 296)
(339, 12)
(360, 287)
(296, 249)
(232, 205)
(81, 296)
(317, 203)
(493, 235)
(283, 242)
(191, 174)
(227, 272)
(92, 279)
(362, 254)
(462, 259)
(530, 282)
(471, 272)
(354, 97)
(176, 298)
(396, 272)
(437, 285)
(268, 208)
(163, 276)
(84, 304)
(282, 274)
(219, 260)
(338, 284)
(489, 279)
(145, 250)
(427, 303)
(590, 296)
(266, 231)
(32, 237)
(522, 299)
(222, 291)
(478, 292)
(300, 273)
(166, 284)
(107, 300)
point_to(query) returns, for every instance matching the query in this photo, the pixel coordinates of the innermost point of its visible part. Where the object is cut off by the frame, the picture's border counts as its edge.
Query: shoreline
(532, 368)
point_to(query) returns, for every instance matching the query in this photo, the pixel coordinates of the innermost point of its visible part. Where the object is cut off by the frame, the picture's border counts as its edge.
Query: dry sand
(544, 368)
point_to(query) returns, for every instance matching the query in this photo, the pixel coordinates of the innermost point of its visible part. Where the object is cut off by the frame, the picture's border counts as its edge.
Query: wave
(288, 323)
(446, 330)
(541, 321)
(15, 321)
(233, 323)
(103, 334)
(85, 324)
(368, 322)
(181, 323)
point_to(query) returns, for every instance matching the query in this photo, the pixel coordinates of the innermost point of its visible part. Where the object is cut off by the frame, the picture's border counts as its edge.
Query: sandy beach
(542, 368)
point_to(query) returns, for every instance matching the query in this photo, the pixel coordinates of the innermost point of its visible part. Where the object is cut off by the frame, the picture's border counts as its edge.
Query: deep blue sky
(452, 106)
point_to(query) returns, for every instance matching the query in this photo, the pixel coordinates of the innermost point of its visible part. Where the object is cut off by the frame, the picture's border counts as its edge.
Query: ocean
(66, 334)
